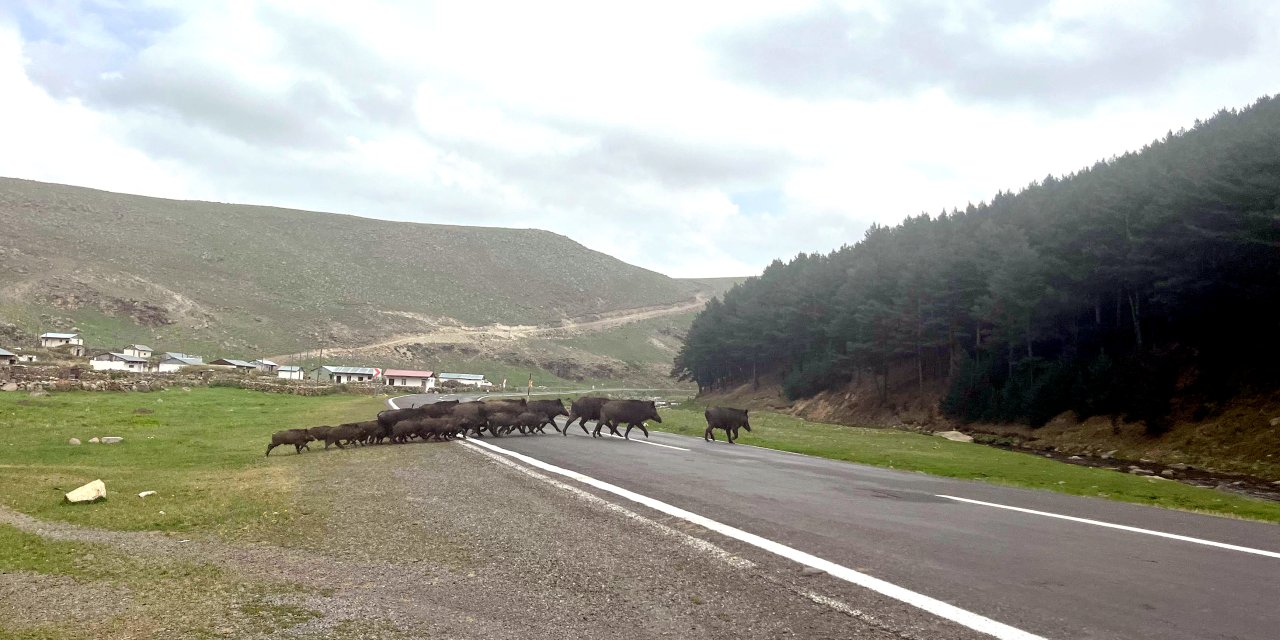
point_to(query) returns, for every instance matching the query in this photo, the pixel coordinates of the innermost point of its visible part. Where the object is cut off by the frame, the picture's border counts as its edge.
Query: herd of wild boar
(450, 419)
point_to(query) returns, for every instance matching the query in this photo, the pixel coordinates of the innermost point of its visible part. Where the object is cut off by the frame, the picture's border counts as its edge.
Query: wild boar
(631, 412)
(584, 409)
(726, 418)
(349, 433)
(548, 409)
(403, 430)
(296, 437)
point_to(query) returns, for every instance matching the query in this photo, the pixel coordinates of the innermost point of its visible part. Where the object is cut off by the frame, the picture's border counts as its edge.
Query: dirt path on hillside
(572, 326)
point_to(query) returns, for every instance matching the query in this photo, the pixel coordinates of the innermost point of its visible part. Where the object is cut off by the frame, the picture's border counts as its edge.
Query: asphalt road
(1048, 576)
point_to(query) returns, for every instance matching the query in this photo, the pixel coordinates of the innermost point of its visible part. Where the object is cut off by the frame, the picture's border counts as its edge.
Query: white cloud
(618, 126)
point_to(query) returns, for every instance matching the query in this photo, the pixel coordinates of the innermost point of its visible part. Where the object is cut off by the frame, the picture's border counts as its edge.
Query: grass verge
(937, 456)
(200, 450)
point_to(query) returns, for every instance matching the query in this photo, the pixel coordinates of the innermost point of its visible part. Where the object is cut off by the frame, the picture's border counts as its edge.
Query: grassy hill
(222, 278)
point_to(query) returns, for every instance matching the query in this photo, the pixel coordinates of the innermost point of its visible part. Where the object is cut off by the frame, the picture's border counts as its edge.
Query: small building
(468, 379)
(140, 350)
(240, 365)
(172, 363)
(112, 361)
(344, 375)
(55, 340)
(8, 358)
(406, 378)
(291, 373)
(265, 366)
(27, 357)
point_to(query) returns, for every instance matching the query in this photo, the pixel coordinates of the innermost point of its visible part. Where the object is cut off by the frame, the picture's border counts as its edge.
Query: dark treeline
(1110, 291)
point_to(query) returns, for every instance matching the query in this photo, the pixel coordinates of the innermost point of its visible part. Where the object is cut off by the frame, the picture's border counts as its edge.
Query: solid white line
(932, 605)
(1109, 525)
(656, 444)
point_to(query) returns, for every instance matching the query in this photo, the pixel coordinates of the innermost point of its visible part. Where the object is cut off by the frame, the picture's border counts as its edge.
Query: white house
(469, 379)
(8, 357)
(343, 375)
(172, 362)
(406, 378)
(291, 373)
(53, 340)
(240, 365)
(118, 362)
(265, 366)
(139, 350)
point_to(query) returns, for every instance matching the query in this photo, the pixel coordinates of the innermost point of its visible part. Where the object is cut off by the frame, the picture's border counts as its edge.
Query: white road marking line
(1109, 525)
(937, 607)
(649, 443)
(692, 541)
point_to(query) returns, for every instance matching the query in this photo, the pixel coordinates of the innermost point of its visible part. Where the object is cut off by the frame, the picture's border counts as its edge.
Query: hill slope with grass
(216, 278)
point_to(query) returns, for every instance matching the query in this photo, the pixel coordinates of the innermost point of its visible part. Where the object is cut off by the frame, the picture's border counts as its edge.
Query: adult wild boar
(501, 422)
(548, 409)
(631, 412)
(318, 433)
(349, 433)
(296, 437)
(584, 409)
(726, 418)
(472, 416)
(403, 430)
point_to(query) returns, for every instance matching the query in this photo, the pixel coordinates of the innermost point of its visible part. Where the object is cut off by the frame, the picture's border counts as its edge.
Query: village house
(291, 373)
(406, 378)
(118, 362)
(468, 379)
(265, 366)
(173, 362)
(139, 350)
(344, 375)
(8, 358)
(240, 365)
(27, 357)
(55, 340)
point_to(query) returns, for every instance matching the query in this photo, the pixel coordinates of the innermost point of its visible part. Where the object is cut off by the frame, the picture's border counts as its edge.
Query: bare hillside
(235, 277)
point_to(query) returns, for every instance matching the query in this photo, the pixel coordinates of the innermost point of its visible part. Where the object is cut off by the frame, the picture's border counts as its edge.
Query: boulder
(1275, 422)
(112, 440)
(88, 493)
(146, 493)
(1168, 473)
(1139, 471)
(1110, 454)
(956, 436)
(10, 386)
(94, 440)
(1075, 458)
(74, 441)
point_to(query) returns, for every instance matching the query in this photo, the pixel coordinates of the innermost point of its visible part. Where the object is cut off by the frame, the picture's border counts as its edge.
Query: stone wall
(53, 378)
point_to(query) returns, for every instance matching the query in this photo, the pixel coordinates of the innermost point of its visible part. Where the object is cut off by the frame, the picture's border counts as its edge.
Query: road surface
(960, 542)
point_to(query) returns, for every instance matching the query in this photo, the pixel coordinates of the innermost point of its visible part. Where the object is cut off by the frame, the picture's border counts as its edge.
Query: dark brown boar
(584, 409)
(349, 433)
(631, 412)
(296, 437)
(726, 418)
(548, 409)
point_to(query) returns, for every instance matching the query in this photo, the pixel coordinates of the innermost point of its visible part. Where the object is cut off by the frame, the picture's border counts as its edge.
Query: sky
(696, 139)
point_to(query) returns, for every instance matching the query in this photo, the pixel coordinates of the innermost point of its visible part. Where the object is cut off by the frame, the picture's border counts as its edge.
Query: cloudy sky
(692, 138)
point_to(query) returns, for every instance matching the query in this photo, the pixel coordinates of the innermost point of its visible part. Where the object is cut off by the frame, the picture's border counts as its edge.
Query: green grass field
(201, 450)
(937, 456)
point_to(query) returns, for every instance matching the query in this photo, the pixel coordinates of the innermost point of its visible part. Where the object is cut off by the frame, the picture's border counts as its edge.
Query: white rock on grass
(74, 441)
(146, 493)
(112, 440)
(956, 436)
(88, 493)
(94, 440)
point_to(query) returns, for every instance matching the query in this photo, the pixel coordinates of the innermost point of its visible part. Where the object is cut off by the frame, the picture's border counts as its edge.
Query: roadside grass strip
(200, 450)
(936, 607)
(895, 449)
